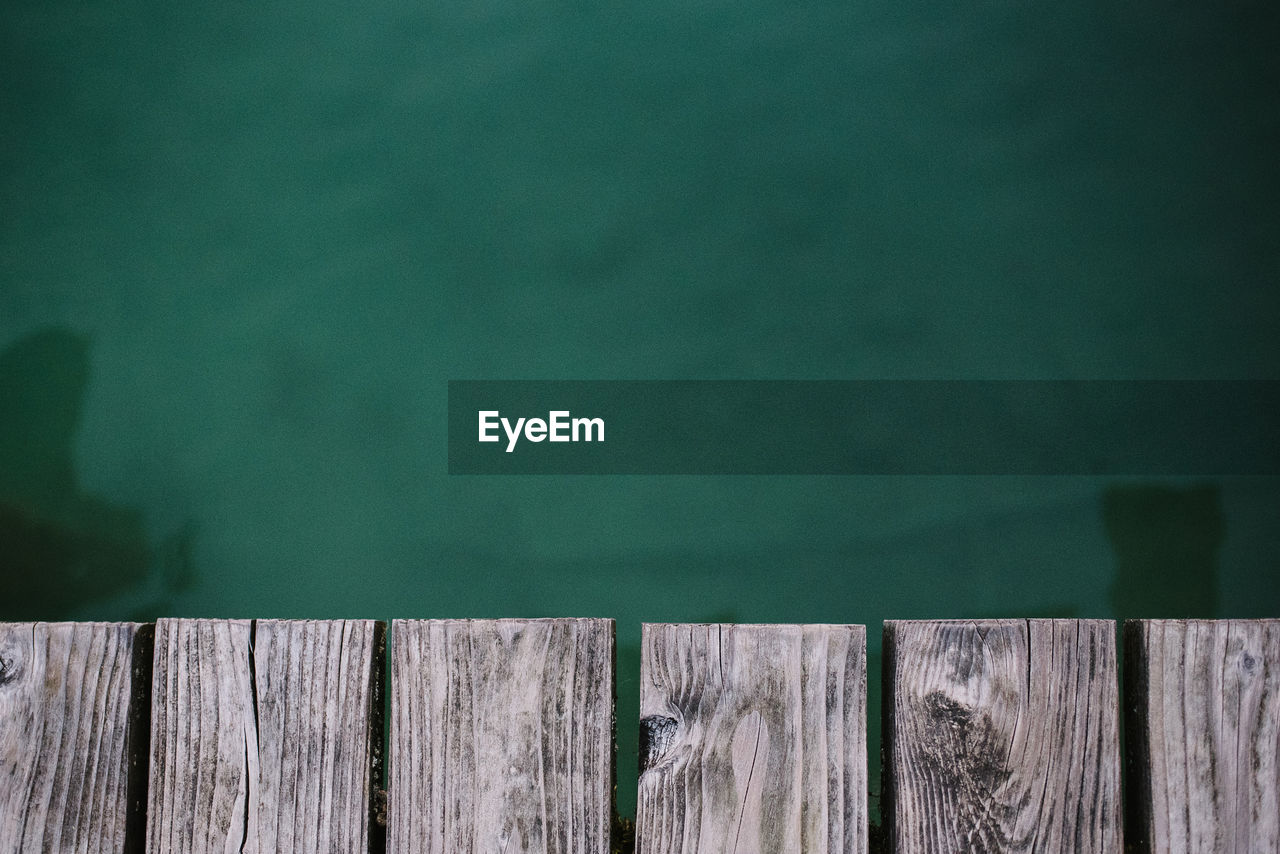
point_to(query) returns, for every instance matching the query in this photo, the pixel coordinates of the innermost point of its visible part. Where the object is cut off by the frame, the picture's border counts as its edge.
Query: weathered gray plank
(753, 739)
(319, 732)
(1202, 705)
(70, 779)
(204, 747)
(265, 736)
(1002, 736)
(501, 736)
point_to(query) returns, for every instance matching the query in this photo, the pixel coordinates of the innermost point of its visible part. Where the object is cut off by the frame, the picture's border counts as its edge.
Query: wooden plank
(264, 736)
(71, 696)
(204, 747)
(1202, 715)
(753, 739)
(319, 732)
(501, 736)
(1002, 736)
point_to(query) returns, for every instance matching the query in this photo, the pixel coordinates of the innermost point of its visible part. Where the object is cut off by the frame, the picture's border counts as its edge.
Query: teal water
(243, 247)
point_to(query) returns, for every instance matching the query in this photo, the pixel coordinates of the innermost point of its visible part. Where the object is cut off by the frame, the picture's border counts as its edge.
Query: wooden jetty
(497, 737)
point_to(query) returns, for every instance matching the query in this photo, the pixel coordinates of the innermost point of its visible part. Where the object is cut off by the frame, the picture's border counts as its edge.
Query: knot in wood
(944, 710)
(657, 732)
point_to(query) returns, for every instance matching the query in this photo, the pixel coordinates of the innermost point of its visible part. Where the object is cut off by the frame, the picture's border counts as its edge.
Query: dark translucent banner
(864, 427)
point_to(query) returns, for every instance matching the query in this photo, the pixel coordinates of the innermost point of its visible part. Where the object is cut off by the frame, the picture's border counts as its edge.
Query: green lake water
(243, 247)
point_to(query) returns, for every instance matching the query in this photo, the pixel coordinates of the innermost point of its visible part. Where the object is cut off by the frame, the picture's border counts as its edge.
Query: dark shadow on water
(1166, 541)
(60, 548)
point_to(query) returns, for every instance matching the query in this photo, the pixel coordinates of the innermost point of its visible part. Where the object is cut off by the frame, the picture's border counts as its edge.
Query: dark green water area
(244, 246)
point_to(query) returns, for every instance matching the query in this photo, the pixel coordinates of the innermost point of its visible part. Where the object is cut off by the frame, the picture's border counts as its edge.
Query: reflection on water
(61, 548)
(1166, 541)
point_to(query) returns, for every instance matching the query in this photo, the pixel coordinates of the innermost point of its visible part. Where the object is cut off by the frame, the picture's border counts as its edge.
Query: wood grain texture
(1002, 736)
(501, 736)
(1203, 723)
(265, 736)
(319, 733)
(753, 740)
(67, 746)
(204, 738)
